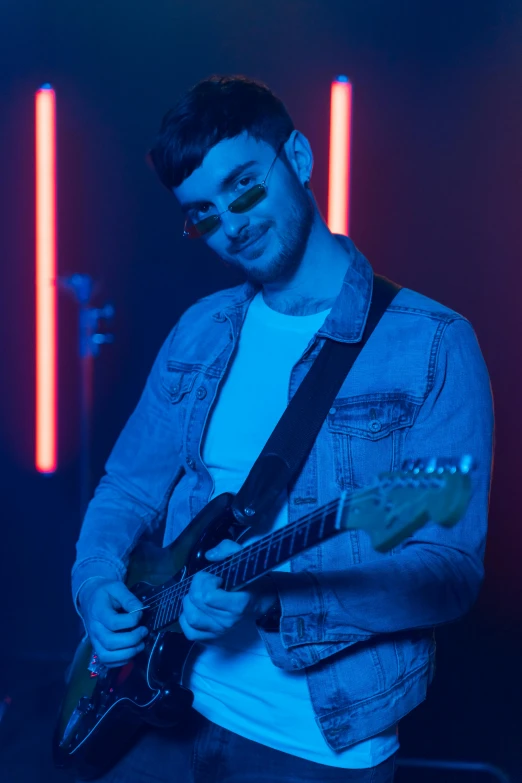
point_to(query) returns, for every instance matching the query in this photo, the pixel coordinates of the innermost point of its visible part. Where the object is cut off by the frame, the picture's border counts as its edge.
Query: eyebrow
(224, 184)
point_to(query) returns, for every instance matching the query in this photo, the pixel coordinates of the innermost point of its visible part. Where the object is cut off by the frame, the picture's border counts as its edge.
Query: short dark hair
(214, 109)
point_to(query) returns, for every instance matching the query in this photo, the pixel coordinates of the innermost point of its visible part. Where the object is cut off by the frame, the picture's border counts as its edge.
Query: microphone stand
(89, 341)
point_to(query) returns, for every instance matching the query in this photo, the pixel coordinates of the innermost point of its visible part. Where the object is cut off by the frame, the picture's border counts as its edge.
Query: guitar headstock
(399, 503)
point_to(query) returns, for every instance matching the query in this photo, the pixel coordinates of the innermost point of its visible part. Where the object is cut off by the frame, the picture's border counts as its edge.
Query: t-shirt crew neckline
(299, 323)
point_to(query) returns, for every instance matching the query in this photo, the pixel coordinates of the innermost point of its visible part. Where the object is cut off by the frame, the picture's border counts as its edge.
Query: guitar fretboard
(251, 562)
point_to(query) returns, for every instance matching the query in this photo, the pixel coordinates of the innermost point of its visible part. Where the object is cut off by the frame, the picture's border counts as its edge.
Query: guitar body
(103, 714)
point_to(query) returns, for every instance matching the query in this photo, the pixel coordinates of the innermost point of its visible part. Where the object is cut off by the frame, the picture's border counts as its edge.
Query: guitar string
(169, 596)
(170, 610)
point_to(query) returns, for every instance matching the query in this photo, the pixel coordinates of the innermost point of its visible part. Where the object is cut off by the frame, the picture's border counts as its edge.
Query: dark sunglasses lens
(248, 199)
(196, 230)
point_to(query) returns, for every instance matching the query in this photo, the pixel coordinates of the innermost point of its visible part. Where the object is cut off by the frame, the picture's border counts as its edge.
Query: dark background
(436, 205)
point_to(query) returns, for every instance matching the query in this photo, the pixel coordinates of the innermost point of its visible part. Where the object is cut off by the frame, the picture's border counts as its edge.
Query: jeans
(205, 753)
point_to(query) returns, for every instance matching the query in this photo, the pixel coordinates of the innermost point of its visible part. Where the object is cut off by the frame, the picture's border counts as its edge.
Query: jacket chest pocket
(177, 383)
(176, 387)
(367, 436)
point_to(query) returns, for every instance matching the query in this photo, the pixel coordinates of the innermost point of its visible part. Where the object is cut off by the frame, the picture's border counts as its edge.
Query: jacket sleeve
(133, 494)
(435, 575)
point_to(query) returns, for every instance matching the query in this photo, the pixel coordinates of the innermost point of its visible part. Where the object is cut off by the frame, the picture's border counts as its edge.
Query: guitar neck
(253, 561)
(390, 510)
(276, 548)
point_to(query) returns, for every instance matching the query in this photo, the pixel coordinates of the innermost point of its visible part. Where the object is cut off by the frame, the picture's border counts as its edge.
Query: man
(305, 675)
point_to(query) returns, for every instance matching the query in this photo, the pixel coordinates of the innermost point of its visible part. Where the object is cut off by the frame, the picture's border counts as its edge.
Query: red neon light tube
(46, 317)
(340, 151)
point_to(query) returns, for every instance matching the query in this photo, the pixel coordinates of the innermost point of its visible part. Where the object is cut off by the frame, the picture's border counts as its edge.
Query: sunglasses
(246, 201)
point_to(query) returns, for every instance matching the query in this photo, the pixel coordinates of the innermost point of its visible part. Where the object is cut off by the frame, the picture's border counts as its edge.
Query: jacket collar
(348, 315)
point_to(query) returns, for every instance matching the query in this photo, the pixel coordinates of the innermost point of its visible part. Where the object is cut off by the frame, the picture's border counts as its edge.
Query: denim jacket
(359, 622)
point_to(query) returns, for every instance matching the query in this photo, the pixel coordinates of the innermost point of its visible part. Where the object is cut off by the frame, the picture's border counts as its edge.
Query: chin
(272, 271)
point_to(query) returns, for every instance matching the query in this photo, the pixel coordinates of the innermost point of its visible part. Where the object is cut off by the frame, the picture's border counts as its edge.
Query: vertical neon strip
(45, 150)
(340, 150)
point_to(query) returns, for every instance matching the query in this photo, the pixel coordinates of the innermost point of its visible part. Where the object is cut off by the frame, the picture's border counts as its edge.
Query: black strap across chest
(298, 427)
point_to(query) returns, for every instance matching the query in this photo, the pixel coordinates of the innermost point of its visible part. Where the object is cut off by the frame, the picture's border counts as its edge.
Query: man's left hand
(209, 612)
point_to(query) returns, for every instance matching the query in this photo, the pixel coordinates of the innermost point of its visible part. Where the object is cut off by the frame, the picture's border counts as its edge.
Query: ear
(300, 156)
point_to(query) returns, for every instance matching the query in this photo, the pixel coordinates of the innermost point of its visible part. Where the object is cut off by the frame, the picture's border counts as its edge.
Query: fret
(273, 559)
(177, 606)
(252, 561)
(245, 577)
(219, 570)
(323, 521)
(173, 606)
(292, 541)
(278, 555)
(250, 570)
(283, 550)
(224, 570)
(171, 611)
(265, 564)
(256, 560)
(154, 619)
(160, 612)
(163, 610)
(225, 586)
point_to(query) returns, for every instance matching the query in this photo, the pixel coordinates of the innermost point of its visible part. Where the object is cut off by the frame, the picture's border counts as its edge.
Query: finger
(118, 621)
(118, 641)
(113, 620)
(112, 658)
(196, 634)
(203, 621)
(204, 580)
(122, 598)
(221, 601)
(203, 585)
(224, 549)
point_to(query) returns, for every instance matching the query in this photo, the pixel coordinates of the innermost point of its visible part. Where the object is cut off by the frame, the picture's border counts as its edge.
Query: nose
(233, 223)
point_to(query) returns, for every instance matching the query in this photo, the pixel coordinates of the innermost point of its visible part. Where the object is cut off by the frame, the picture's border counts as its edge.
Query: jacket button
(175, 389)
(375, 425)
(332, 411)
(201, 393)
(219, 317)
(190, 462)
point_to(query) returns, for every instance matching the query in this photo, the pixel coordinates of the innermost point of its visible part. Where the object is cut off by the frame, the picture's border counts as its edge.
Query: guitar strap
(298, 427)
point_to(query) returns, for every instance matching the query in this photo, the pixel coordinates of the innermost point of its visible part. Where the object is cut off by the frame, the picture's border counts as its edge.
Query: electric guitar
(105, 709)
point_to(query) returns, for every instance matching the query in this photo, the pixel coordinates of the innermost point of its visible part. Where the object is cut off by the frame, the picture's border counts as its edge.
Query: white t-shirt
(235, 684)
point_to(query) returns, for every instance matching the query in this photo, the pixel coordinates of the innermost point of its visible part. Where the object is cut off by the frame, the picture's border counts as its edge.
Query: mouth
(253, 243)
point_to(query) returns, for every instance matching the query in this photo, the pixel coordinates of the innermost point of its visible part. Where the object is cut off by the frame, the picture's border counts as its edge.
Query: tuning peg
(454, 465)
(431, 465)
(439, 466)
(466, 463)
(413, 466)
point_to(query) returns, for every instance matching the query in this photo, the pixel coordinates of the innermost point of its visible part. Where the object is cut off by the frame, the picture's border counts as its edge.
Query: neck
(317, 281)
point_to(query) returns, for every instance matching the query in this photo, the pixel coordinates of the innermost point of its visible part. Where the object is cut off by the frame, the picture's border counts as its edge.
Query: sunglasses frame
(243, 203)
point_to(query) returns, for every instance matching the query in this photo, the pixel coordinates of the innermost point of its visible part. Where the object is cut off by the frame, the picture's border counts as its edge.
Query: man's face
(266, 243)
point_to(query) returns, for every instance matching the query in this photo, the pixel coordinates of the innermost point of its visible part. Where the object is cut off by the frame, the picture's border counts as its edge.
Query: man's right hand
(114, 633)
